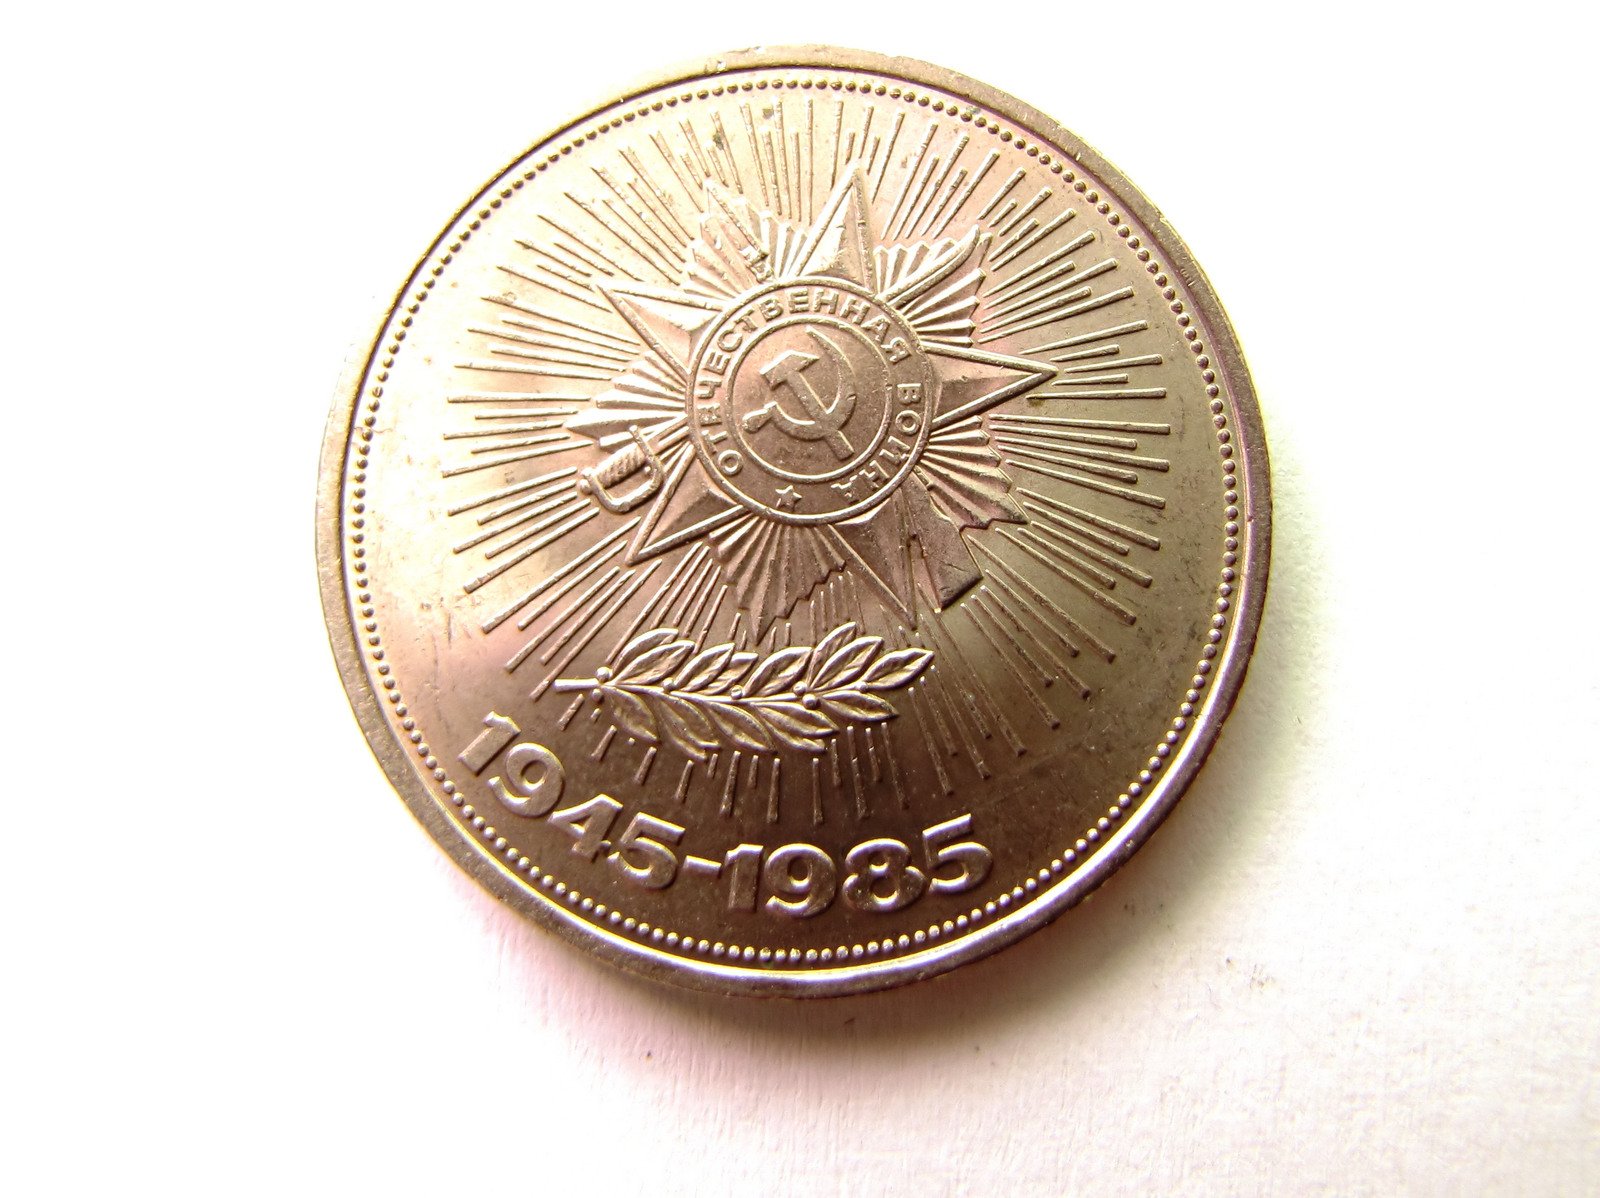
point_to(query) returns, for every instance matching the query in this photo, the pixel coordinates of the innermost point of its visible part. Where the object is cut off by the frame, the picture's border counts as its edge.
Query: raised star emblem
(810, 399)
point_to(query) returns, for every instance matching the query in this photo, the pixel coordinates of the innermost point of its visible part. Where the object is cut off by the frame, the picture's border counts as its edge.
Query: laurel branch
(663, 687)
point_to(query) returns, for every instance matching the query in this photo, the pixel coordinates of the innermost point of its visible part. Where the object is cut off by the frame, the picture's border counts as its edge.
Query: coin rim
(834, 980)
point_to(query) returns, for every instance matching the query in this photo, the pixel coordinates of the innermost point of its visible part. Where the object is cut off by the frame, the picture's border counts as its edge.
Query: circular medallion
(812, 401)
(800, 527)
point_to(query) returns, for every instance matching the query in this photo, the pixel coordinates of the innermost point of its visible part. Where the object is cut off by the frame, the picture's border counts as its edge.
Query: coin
(800, 527)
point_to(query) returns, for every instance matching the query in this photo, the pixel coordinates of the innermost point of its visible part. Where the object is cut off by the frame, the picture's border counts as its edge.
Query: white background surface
(1360, 958)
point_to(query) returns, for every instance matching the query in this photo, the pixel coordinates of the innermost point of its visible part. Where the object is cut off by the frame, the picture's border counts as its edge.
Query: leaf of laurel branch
(663, 687)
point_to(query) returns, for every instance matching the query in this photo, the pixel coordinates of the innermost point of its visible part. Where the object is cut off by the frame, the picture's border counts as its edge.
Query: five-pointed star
(957, 483)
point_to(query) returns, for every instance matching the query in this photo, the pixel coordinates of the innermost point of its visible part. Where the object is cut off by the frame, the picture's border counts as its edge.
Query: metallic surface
(800, 527)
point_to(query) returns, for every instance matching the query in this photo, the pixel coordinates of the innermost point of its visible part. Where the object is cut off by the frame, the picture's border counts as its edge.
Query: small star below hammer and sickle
(788, 497)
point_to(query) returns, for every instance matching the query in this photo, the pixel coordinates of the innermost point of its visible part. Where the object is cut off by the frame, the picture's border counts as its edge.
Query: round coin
(800, 527)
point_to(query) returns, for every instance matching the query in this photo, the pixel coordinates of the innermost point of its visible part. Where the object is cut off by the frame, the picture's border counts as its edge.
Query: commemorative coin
(800, 526)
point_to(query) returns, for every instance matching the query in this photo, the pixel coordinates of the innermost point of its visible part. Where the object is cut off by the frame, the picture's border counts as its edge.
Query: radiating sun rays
(574, 403)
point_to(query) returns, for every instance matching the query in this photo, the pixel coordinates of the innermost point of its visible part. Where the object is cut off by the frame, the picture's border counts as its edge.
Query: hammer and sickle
(822, 420)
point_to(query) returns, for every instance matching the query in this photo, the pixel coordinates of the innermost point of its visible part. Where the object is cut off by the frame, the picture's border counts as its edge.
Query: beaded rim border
(356, 436)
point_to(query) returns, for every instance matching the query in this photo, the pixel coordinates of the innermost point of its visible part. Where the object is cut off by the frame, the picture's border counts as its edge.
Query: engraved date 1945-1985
(797, 880)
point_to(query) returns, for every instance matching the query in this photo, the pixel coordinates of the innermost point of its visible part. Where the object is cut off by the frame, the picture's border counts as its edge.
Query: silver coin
(800, 527)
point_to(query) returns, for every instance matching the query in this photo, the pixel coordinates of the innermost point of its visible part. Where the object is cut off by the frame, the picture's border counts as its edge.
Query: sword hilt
(622, 463)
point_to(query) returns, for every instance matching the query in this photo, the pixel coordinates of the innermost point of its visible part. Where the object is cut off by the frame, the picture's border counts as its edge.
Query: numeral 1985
(878, 875)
